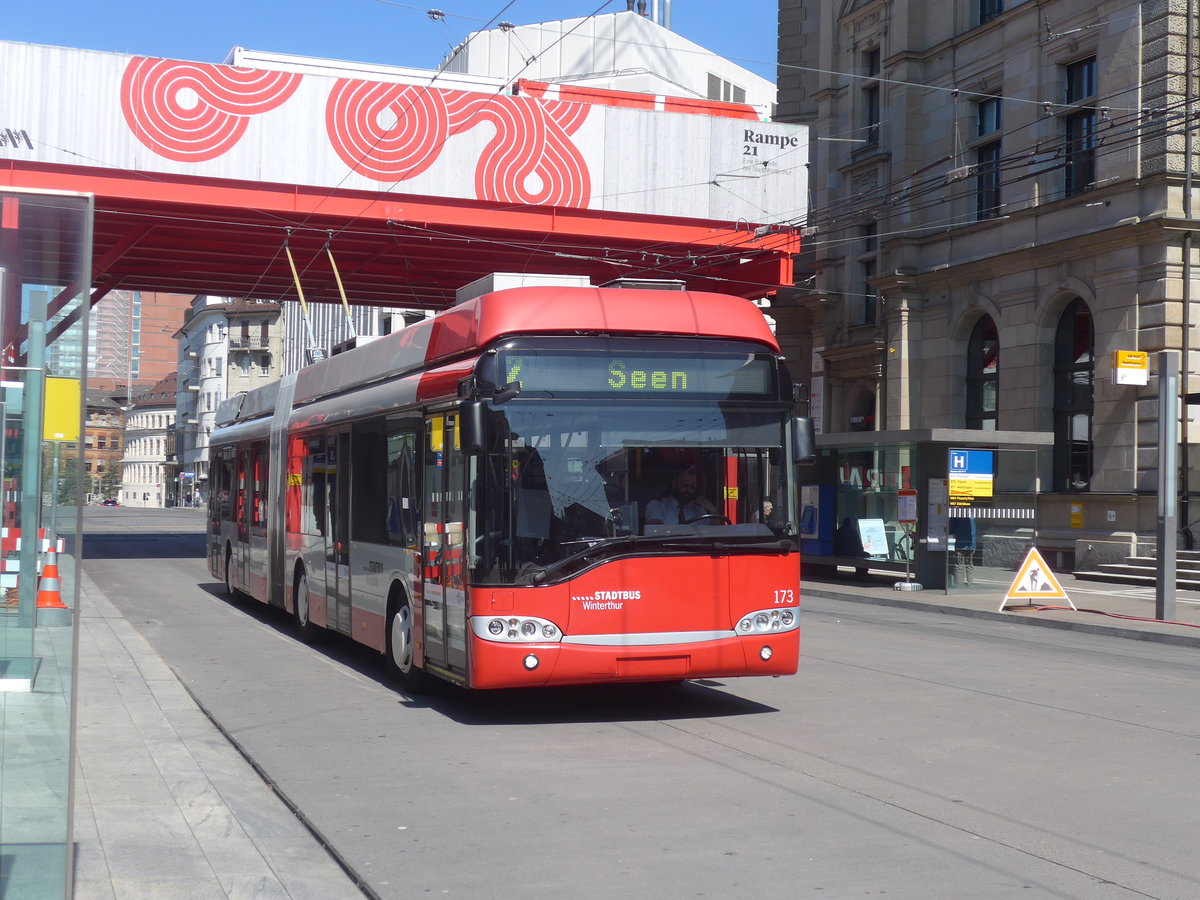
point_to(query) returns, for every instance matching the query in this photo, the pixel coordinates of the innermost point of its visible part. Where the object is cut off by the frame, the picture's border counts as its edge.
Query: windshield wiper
(542, 574)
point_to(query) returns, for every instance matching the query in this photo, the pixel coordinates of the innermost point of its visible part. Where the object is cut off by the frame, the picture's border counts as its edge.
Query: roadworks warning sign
(1035, 583)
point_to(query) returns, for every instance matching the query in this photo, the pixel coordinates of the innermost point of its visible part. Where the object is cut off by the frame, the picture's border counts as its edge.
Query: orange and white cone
(50, 586)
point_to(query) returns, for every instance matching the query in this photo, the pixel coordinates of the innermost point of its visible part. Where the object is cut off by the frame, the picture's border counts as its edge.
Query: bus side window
(368, 504)
(259, 509)
(314, 487)
(403, 495)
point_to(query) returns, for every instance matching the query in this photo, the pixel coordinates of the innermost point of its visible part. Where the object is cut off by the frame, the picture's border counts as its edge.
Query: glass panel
(867, 484)
(45, 245)
(989, 536)
(560, 480)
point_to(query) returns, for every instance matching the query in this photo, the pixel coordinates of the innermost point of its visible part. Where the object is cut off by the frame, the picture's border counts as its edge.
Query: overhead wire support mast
(313, 352)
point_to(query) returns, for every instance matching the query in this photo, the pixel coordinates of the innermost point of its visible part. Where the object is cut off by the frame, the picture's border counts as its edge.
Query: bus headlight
(516, 629)
(768, 621)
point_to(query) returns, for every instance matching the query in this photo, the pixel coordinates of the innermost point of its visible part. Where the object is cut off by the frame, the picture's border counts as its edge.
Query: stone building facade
(1000, 202)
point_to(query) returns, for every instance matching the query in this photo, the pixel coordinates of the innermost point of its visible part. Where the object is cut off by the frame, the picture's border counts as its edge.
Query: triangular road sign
(1035, 582)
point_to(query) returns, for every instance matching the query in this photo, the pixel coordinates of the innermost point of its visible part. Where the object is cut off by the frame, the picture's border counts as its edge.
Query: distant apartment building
(103, 444)
(224, 347)
(149, 442)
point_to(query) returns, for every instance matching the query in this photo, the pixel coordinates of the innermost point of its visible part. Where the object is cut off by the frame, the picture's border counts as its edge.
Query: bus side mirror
(804, 440)
(472, 426)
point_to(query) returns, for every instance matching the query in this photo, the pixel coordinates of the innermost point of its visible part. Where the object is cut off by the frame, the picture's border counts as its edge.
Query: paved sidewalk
(165, 806)
(1103, 608)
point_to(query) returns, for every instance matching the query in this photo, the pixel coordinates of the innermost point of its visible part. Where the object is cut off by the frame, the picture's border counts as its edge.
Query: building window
(983, 376)
(870, 238)
(1074, 375)
(725, 91)
(867, 294)
(988, 117)
(870, 97)
(1079, 126)
(989, 9)
(987, 181)
(862, 304)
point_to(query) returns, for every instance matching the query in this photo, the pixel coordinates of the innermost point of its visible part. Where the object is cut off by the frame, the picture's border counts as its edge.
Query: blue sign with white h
(971, 462)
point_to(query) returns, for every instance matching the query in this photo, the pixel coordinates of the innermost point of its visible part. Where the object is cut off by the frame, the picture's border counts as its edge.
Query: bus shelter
(949, 509)
(45, 253)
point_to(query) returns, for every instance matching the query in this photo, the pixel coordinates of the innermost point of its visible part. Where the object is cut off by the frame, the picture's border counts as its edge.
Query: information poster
(873, 536)
(972, 476)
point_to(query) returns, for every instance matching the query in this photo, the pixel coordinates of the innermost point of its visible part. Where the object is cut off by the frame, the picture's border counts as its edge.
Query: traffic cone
(50, 587)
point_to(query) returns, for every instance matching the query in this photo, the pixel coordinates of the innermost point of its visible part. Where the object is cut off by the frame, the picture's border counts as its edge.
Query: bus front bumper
(573, 661)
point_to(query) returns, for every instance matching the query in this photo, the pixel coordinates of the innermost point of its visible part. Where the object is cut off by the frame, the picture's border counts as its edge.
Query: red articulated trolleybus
(469, 496)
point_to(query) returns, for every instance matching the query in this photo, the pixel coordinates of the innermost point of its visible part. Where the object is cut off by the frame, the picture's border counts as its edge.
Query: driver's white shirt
(666, 510)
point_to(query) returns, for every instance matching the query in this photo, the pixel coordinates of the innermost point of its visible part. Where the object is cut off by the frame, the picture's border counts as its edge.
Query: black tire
(306, 631)
(400, 647)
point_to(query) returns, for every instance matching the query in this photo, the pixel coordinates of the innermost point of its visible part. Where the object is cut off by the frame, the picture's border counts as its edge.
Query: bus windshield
(561, 477)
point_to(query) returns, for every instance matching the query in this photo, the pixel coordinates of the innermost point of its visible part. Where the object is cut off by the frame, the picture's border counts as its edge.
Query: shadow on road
(143, 545)
(702, 699)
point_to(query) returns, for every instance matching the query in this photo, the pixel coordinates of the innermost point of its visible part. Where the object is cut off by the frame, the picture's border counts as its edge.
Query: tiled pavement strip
(166, 807)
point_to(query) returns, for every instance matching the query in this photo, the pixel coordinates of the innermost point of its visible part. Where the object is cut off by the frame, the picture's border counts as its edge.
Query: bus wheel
(305, 629)
(229, 588)
(400, 645)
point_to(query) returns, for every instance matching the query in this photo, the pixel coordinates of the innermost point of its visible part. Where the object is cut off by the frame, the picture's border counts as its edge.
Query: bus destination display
(563, 373)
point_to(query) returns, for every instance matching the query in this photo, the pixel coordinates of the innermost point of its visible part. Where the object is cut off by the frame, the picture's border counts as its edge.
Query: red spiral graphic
(192, 112)
(531, 159)
(392, 132)
(388, 132)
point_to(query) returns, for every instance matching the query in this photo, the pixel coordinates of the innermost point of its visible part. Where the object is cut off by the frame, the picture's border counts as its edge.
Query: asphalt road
(915, 755)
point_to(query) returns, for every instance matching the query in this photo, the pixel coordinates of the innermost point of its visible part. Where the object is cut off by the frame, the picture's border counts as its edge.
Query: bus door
(337, 532)
(444, 572)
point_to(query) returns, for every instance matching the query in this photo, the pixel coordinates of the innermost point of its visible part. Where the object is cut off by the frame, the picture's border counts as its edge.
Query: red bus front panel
(641, 620)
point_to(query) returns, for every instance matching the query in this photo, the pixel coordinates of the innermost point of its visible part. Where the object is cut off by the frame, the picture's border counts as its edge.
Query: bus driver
(682, 504)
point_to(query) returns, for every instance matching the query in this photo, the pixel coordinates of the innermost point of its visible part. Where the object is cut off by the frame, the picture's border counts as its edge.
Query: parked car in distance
(110, 503)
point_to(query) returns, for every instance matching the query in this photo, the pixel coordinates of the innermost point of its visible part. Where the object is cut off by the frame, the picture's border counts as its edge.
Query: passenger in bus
(769, 516)
(682, 503)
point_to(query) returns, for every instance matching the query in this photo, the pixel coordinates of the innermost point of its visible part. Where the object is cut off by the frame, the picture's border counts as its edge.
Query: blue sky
(375, 31)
